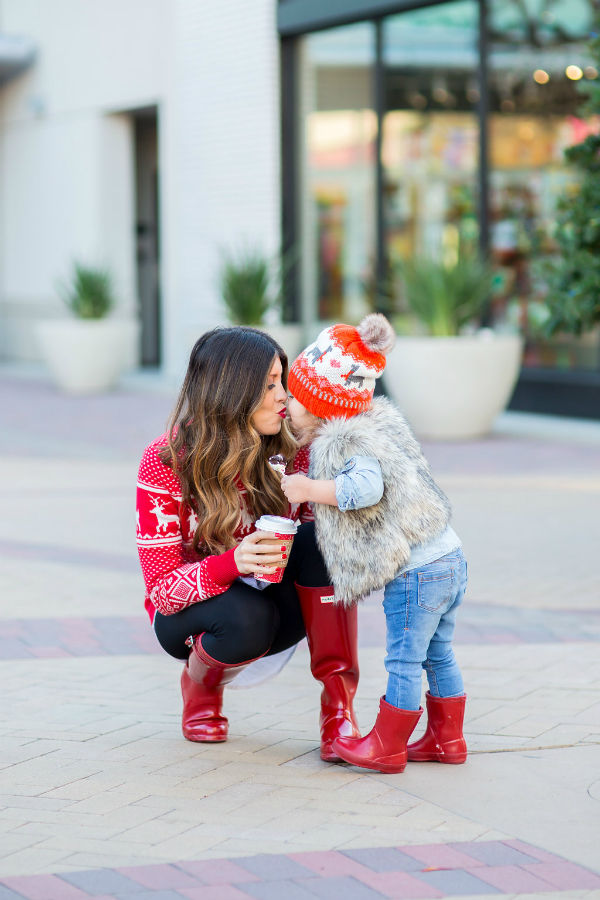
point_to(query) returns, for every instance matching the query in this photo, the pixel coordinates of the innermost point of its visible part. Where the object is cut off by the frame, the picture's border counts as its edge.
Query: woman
(201, 487)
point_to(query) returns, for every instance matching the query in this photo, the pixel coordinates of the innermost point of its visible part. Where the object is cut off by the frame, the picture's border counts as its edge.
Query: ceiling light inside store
(541, 77)
(507, 106)
(440, 95)
(590, 72)
(473, 95)
(526, 132)
(419, 101)
(574, 73)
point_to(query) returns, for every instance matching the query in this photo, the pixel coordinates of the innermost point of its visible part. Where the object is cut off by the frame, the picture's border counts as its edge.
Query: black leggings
(244, 623)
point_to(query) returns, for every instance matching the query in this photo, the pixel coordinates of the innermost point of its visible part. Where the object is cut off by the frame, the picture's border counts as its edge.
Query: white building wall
(66, 152)
(222, 155)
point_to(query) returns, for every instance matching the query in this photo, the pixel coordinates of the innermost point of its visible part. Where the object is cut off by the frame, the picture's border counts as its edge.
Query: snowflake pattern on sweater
(174, 574)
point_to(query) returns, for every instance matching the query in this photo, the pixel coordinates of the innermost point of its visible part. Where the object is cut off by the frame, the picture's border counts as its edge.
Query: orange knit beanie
(335, 376)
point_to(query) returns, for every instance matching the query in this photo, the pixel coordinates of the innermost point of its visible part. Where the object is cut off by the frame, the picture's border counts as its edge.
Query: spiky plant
(446, 298)
(244, 282)
(89, 293)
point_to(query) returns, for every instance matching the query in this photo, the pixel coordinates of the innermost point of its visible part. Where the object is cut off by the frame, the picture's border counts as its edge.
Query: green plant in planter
(446, 298)
(573, 277)
(245, 286)
(89, 294)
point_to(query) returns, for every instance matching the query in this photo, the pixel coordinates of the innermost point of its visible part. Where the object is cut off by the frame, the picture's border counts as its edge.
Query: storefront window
(537, 56)
(338, 213)
(430, 132)
(430, 142)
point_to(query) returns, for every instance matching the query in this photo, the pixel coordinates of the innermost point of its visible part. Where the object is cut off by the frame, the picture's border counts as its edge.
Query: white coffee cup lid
(277, 524)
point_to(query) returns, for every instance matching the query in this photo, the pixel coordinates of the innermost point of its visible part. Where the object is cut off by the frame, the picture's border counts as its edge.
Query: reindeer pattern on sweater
(175, 575)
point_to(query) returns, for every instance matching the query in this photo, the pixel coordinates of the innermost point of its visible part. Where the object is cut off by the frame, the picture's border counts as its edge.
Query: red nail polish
(284, 555)
(284, 548)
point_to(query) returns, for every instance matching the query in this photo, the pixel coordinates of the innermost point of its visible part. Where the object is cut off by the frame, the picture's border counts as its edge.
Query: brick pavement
(422, 871)
(127, 635)
(100, 795)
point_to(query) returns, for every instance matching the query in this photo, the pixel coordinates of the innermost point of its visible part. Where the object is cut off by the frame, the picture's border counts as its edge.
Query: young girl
(381, 521)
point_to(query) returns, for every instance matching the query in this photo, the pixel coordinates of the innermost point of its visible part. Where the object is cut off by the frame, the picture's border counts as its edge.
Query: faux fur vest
(363, 549)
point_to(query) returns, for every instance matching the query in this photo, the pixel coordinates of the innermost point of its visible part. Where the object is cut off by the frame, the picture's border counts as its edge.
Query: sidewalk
(101, 796)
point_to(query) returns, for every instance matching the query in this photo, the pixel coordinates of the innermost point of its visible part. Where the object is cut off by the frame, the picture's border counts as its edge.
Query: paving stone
(44, 887)
(102, 881)
(384, 859)
(456, 881)
(346, 888)
(441, 855)
(150, 895)
(398, 885)
(7, 894)
(511, 879)
(330, 863)
(493, 853)
(160, 877)
(218, 871)
(277, 890)
(274, 868)
(564, 876)
(535, 852)
(215, 892)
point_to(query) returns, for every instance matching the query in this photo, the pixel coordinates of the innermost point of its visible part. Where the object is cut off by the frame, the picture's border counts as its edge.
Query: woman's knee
(249, 629)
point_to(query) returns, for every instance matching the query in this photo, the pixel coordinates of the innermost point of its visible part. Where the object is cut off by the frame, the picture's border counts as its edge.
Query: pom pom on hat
(377, 334)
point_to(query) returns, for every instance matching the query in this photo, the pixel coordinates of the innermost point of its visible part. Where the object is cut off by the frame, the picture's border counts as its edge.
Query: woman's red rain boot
(384, 748)
(332, 634)
(443, 740)
(202, 683)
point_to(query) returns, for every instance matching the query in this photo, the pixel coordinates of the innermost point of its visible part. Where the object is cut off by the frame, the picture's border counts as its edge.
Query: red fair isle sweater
(174, 574)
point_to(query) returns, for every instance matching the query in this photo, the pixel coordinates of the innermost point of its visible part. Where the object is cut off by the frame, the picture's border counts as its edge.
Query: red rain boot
(384, 748)
(202, 683)
(443, 740)
(332, 635)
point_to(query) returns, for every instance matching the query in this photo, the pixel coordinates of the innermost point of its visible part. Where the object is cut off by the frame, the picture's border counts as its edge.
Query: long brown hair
(212, 441)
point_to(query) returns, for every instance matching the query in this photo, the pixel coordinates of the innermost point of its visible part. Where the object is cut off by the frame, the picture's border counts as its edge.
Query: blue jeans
(420, 610)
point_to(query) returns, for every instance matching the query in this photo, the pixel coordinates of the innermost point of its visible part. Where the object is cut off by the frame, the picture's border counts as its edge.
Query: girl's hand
(301, 489)
(258, 552)
(297, 488)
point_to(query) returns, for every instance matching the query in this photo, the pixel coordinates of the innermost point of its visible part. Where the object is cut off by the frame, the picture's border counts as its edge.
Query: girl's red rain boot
(384, 748)
(202, 683)
(443, 740)
(332, 633)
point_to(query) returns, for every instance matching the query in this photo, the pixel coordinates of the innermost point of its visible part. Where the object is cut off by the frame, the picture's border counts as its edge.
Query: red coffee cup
(284, 530)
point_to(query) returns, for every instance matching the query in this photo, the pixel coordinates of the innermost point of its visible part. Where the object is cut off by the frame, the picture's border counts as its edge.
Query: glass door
(338, 173)
(430, 134)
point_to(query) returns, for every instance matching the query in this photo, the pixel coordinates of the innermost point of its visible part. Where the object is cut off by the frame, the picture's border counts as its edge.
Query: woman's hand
(296, 487)
(258, 552)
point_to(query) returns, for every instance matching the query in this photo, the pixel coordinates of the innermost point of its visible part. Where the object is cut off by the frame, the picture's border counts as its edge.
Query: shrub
(89, 294)
(446, 298)
(244, 282)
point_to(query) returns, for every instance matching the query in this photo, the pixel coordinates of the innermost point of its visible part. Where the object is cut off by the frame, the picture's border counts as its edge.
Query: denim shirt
(360, 484)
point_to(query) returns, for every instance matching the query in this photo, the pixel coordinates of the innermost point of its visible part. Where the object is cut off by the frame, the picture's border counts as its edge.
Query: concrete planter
(87, 356)
(452, 388)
